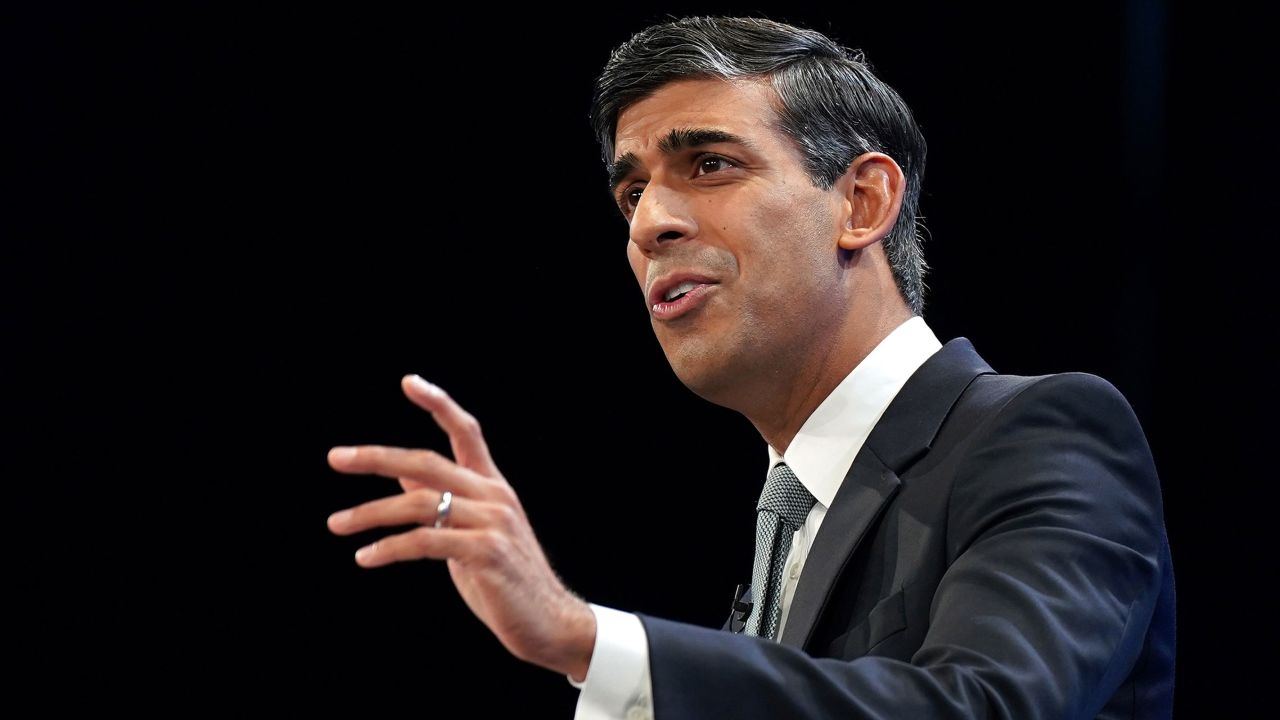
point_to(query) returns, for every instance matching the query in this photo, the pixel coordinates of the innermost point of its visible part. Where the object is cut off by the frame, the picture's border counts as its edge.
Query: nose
(662, 218)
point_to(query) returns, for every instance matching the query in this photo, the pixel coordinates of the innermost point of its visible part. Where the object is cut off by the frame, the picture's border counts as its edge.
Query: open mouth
(680, 290)
(680, 298)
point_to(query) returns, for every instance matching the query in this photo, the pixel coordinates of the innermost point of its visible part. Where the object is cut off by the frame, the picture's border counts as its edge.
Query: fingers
(426, 542)
(419, 506)
(485, 514)
(469, 446)
(424, 466)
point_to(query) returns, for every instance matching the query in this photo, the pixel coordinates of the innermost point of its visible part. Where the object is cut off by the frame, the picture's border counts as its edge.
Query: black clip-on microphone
(740, 607)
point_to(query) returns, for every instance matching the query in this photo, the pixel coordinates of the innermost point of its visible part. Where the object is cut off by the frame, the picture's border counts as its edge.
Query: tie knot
(784, 496)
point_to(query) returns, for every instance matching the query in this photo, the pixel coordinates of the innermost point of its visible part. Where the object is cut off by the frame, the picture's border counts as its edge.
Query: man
(935, 540)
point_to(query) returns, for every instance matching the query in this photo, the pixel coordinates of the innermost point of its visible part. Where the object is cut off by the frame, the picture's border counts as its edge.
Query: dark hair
(831, 105)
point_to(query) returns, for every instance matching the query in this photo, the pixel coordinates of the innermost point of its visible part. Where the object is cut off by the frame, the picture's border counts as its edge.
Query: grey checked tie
(782, 509)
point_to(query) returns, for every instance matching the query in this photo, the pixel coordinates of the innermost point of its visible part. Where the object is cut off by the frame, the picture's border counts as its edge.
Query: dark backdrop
(233, 230)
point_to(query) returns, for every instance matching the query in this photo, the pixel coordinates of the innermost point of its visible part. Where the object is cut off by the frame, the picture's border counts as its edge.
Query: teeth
(680, 289)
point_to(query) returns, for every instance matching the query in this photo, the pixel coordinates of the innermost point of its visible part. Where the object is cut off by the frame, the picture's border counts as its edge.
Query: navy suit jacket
(997, 550)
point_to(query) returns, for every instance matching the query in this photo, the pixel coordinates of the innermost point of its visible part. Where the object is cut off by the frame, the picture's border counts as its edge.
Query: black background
(232, 230)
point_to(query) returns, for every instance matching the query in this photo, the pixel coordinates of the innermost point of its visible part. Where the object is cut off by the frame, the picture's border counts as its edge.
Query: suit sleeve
(1054, 540)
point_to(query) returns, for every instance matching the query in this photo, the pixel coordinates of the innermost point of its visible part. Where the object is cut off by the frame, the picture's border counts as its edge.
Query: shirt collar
(829, 440)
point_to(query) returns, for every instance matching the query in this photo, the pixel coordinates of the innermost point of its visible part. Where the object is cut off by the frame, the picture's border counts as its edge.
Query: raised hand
(493, 557)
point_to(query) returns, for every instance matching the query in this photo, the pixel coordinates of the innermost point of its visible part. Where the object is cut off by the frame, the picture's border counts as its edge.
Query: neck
(780, 413)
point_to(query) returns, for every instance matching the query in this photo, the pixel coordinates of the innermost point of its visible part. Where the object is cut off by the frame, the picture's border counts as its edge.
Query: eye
(629, 198)
(712, 163)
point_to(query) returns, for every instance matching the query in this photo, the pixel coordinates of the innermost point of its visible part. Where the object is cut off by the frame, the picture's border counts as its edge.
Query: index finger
(421, 466)
(469, 447)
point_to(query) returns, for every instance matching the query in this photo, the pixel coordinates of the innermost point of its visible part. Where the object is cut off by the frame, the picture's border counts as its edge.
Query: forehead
(743, 107)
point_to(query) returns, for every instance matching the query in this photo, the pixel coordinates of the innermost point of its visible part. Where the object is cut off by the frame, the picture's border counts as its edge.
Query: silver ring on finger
(443, 509)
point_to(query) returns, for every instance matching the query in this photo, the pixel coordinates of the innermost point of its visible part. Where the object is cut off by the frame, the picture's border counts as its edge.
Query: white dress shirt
(618, 685)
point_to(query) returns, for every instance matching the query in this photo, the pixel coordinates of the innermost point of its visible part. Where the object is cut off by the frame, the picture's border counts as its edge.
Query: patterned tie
(782, 509)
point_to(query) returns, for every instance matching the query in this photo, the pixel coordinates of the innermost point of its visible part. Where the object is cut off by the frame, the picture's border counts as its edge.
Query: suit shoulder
(1087, 398)
(1068, 441)
(1049, 409)
(993, 405)
(1072, 389)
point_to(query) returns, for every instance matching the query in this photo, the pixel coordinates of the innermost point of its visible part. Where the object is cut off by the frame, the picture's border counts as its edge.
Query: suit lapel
(865, 492)
(901, 437)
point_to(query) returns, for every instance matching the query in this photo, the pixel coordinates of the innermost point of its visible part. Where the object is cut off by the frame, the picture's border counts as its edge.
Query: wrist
(579, 624)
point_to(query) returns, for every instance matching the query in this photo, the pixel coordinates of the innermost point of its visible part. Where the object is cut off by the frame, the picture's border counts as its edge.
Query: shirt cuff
(617, 682)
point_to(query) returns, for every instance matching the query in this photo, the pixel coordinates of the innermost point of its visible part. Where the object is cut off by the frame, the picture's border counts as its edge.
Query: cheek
(770, 253)
(790, 253)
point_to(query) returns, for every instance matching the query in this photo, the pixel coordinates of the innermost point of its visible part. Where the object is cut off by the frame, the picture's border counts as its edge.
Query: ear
(873, 188)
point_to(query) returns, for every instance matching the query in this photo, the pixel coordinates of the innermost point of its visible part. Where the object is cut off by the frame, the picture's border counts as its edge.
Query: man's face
(719, 204)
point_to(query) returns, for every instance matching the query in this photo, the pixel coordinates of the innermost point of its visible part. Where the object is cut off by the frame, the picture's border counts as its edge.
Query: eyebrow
(677, 140)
